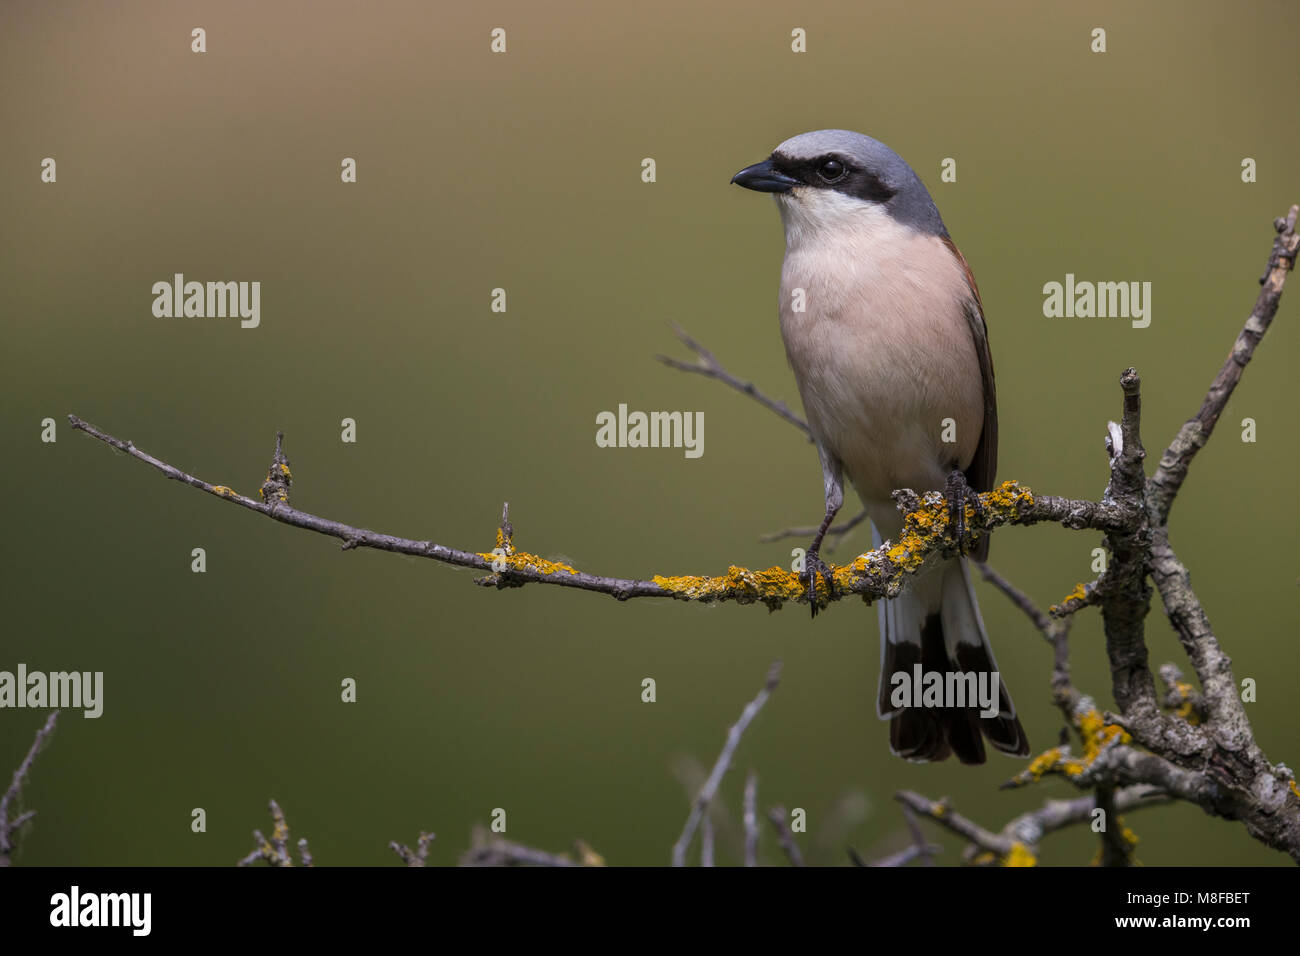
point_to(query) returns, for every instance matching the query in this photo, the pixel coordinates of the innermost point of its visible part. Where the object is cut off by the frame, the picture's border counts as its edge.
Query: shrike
(884, 329)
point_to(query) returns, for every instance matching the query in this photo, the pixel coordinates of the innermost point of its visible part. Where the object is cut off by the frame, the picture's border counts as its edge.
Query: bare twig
(833, 534)
(418, 857)
(751, 819)
(1017, 597)
(492, 850)
(785, 839)
(708, 366)
(9, 827)
(706, 841)
(705, 797)
(918, 836)
(919, 849)
(1192, 437)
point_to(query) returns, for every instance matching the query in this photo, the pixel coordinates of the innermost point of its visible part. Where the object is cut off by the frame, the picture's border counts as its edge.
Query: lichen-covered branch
(872, 575)
(275, 851)
(1017, 843)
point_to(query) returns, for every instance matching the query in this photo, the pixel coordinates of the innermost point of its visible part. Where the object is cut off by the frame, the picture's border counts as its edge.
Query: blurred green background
(522, 171)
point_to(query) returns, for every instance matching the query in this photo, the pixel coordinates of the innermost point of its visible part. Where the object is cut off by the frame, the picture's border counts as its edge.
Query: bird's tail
(936, 629)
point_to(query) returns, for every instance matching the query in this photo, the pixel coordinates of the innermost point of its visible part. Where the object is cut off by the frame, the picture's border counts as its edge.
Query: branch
(708, 366)
(1017, 843)
(872, 575)
(710, 788)
(275, 851)
(417, 857)
(491, 850)
(785, 839)
(9, 827)
(1192, 437)
(751, 819)
(833, 533)
(920, 848)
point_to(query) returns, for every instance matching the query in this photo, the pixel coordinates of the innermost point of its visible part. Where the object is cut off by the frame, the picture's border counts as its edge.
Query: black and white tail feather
(937, 624)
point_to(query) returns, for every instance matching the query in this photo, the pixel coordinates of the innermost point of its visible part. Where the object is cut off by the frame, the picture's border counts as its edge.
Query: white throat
(817, 216)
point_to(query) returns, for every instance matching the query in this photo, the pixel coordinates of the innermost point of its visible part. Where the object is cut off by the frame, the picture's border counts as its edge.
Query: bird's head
(824, 179)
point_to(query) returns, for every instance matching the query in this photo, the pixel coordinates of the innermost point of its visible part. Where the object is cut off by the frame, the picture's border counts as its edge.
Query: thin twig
(710, 788)
(751, 819)
(418, 857)
(1017, 597)
(833, 534)
(495, 851)
(13, 793)
(785, 839)
(1192, 437)
(708, 366)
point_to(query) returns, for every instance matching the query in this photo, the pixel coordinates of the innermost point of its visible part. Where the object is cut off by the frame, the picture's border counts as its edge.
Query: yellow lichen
(1295, 789)
(1043, 764)
(1008, 497)
(222, 490)
(586, 855)
(924, 531)
(1019, 855)
(1079, 594)
(1097, 734)
(926, 528)
(1185, 709)
(773, 586)
(523, 561)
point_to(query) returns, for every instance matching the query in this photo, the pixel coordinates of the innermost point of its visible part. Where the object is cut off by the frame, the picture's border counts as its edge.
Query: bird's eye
(832, 170)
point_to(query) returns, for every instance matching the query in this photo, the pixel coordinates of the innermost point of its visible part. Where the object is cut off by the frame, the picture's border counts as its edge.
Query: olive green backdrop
(522, 171)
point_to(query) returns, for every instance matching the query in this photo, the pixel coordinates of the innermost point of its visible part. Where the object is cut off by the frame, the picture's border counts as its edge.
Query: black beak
(764, 178)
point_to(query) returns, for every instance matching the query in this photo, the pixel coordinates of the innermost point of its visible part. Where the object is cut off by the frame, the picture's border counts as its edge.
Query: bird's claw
(815, 567)
(959, 494)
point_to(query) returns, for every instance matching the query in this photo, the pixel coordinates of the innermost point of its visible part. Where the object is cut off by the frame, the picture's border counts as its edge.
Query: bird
(884, 330)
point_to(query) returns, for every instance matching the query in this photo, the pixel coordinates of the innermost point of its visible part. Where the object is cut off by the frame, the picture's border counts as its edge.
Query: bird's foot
(814, 568)
(959, 494)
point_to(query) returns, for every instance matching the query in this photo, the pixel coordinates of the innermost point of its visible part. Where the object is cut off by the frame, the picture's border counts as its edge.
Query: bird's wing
(979, 475)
